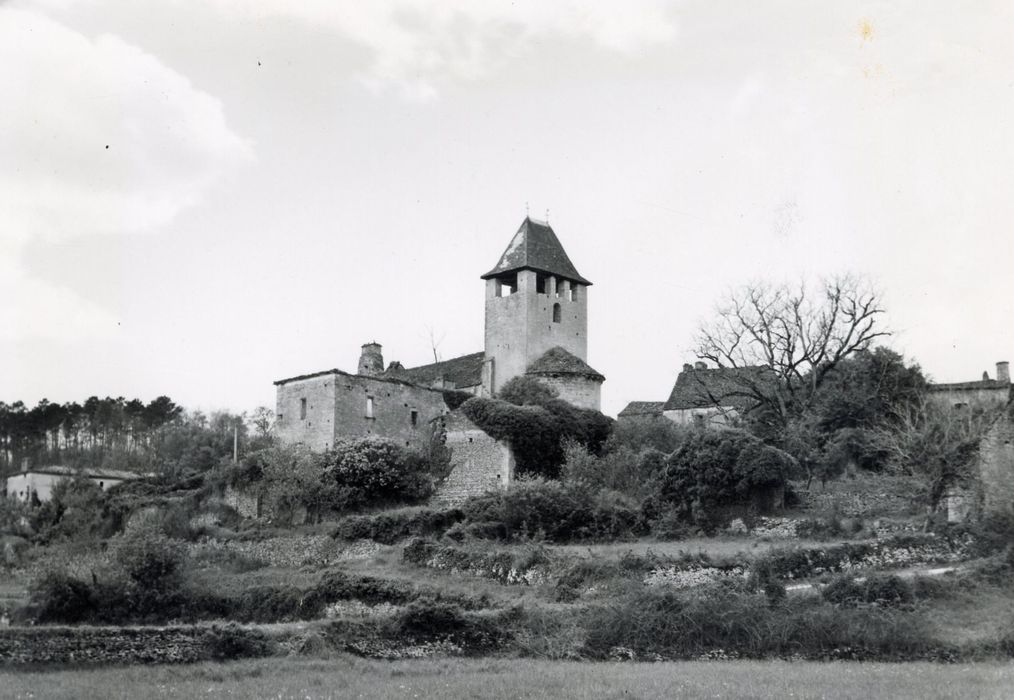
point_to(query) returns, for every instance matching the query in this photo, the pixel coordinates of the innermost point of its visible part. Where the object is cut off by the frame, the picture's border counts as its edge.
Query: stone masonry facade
(320, 409)
(479, 462)
(996, 466)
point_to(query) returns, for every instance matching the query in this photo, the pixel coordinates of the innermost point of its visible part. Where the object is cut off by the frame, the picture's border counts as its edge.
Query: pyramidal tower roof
(536, 247)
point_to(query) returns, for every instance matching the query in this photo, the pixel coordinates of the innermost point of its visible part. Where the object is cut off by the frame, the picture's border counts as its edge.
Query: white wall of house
(21, 486)
(706, 416)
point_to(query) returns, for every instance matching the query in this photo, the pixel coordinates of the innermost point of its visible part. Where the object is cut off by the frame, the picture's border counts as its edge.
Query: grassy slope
(347, 677)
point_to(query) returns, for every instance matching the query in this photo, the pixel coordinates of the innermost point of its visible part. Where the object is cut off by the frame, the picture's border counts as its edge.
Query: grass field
(348, 677)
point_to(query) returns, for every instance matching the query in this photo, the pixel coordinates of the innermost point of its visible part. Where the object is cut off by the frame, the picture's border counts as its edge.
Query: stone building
(712, 397)
(985, 393)
(41, 481)
(536, 324)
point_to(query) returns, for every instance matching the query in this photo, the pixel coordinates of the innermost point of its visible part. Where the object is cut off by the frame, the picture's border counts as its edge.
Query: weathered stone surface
(478, 462)
(996, 466)
(340, 405)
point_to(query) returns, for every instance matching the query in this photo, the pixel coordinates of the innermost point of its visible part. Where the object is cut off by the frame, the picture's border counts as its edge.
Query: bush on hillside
(558, 512)
(637, 434)
(374, 470)
(388, 527)
(717, 469)
(688, 624)
(59, 597)
(879, 589)
(619, 469)
(537, 433)
(353, 474)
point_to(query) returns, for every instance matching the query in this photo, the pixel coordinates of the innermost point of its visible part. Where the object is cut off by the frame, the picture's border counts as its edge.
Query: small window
(101, 485)
(699, 420)
(573, 292)
(302, 409)
(556, 313)
(369, 407)
(414, 417)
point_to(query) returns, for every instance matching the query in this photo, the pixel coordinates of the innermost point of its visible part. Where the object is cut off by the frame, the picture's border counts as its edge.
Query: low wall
(20, 646)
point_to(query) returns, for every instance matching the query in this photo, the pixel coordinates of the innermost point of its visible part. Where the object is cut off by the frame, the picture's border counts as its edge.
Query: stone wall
(393, 405)
(246, 503)
(478, 463)
(315, 428)
(21, 646)
(340, 405)
(582, 392)
(996, 466)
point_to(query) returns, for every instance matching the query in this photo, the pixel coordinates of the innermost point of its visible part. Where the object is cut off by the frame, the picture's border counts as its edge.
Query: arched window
(556, 313)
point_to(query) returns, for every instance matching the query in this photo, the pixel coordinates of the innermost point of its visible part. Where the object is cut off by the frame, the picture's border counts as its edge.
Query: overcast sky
(198, 198)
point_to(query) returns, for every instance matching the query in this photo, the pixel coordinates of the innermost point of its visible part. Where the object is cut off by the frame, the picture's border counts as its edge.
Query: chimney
(1003, 372)
(371, 361)
(700, 365)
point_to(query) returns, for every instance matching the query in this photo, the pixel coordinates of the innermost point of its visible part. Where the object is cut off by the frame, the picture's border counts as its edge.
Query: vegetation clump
(550, 510)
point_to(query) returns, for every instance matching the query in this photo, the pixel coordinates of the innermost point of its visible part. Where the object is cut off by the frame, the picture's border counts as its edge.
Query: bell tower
(535, 301)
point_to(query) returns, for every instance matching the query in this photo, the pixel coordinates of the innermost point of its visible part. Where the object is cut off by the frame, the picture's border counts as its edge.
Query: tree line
(121, 433)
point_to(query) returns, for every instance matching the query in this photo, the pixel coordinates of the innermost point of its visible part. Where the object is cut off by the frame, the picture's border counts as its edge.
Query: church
(536, 325)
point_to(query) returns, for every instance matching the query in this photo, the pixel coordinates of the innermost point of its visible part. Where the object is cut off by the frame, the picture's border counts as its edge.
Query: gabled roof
(642, 408)
(536, 247)
(60, 470)
(980, 384)
(721, 386)
(464, 371)
(556, 361)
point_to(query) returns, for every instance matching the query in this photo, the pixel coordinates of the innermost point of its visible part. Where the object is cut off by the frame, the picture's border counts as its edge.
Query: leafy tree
(718, 468)
(537, 433)
(526, 391)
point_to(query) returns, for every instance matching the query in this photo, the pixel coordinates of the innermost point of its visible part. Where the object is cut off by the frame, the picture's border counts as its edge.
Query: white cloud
(102, 138)
(417, 44)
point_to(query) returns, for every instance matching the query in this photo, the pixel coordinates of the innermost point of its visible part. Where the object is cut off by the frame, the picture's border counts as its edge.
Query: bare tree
(435, 342)
(786, 340)
(937, 443)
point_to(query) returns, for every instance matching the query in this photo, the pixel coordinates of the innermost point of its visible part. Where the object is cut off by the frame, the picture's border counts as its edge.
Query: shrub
(150, 560)
(716, 469)
(234, 642)
(659, 434)
(538, 432)
(389, 527)
(59, 597)
(876, 589)
(272, 604)
(374, 470)
(431, 620)
(620, 468)
(558, 512)
(683, 625)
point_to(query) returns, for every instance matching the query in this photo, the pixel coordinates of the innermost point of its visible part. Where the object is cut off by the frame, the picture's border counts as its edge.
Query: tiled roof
(60, 470)
(464, 371)
(558, 361)
(536, 247)
(722, 386)
(642, 408)
(981, 384)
